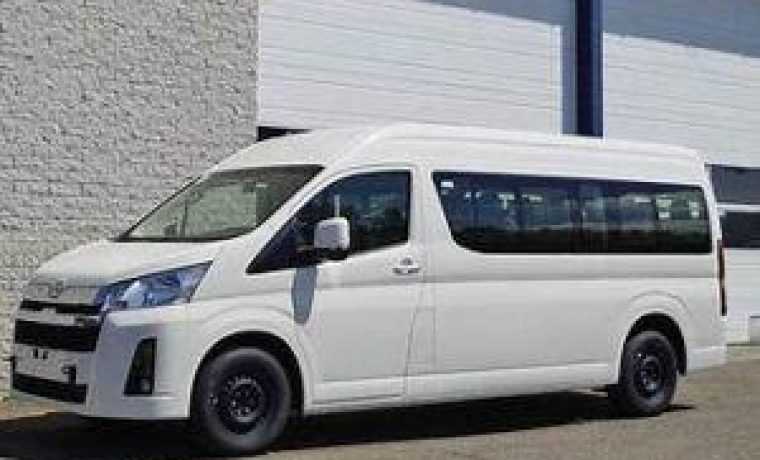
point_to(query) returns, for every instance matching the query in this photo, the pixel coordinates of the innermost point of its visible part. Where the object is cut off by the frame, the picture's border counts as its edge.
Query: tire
(241, 402)
(104, 424)
(648, 376)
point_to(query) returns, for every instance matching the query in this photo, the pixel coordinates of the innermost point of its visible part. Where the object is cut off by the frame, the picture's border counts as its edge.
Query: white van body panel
(105, 262)
(367, 332)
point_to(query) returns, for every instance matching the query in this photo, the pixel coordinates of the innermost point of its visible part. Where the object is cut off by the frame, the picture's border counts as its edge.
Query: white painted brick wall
(105, 108)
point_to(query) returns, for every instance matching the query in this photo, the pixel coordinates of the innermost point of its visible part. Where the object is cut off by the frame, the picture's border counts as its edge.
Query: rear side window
(547, 216)
(500, 213)
(594, 203)
(496, 214)
(632, 219)
(682, 220)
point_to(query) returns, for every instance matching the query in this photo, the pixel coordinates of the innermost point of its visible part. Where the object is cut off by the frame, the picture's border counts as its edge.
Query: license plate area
(50, 364)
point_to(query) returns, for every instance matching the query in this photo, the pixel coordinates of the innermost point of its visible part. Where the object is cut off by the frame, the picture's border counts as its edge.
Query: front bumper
(90, 380)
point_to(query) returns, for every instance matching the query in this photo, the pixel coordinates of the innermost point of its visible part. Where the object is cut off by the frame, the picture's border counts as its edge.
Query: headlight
(154, 290)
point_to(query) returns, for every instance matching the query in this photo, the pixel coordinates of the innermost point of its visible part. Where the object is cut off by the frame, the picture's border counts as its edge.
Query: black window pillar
(588, 67)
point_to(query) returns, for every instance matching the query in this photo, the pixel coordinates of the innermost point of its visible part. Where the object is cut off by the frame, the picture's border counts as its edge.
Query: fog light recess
(141, 379)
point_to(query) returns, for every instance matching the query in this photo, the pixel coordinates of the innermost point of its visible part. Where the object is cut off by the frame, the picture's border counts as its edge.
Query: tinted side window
(376, 206)
(657, 218)
(482, 211)
(632, 224)
(517, 214)
(457, 198)
(594, 204)
(499, 213)
(547, 222)
(683, 223)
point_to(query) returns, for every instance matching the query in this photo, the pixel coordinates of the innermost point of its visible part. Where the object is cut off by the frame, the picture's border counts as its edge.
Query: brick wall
(105, 107)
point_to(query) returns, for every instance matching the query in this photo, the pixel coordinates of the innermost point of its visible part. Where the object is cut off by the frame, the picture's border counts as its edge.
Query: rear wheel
(648, 376)
(241, 401)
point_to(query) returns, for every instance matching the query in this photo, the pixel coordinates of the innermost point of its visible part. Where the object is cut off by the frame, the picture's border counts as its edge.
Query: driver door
(355, 315)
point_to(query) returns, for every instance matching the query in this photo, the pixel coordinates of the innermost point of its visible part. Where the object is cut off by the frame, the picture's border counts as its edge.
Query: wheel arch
(660, 310)
(269, 342)
(667, 326)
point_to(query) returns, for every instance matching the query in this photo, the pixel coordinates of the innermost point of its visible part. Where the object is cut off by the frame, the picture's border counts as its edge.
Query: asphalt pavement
(716, 416)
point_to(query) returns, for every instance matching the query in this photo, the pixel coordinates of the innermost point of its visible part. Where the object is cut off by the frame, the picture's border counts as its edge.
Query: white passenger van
(371, 267)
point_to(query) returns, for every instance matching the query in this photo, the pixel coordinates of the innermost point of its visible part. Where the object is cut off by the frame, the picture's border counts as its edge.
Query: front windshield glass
(222, 205)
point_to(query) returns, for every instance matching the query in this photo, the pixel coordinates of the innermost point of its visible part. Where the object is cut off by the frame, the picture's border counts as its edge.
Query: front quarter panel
(213, 321)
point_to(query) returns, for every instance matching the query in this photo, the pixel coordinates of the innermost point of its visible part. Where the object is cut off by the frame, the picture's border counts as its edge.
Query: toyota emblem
(56, 289)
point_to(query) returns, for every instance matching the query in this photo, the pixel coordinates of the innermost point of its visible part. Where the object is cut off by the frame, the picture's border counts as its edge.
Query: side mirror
(332, 237)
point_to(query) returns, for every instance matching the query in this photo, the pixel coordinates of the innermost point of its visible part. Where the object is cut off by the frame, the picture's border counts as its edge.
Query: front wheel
(241, 402)
(648, 376)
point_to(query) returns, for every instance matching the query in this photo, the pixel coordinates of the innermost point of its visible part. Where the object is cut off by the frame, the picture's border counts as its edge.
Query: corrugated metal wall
(488, 63)
(685, 72)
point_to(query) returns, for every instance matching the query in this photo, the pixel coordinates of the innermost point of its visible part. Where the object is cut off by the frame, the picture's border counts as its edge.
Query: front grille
(69, 338)
(61, 309)
(50, 389)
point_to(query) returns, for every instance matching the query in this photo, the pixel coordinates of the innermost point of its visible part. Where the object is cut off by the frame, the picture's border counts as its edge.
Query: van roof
(325, 146)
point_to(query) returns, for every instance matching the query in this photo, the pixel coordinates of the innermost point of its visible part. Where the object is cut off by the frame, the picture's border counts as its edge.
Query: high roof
(326, 146)
(318, 147)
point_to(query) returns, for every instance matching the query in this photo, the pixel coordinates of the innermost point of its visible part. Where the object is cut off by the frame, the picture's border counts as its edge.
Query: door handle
(407, 266)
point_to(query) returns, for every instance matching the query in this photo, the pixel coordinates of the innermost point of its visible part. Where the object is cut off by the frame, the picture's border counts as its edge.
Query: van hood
(105, 262)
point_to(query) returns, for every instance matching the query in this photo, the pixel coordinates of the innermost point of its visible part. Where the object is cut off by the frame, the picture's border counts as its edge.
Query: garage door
(477, 62)
(688, 72)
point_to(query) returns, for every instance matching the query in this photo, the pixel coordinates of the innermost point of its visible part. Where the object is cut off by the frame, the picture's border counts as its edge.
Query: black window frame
(259, 266)
(580, 244)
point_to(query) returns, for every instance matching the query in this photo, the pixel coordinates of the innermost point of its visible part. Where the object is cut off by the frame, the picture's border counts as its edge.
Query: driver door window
(375, 204)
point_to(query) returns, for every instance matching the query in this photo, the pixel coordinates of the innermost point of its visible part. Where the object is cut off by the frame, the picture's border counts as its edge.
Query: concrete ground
(716, 416)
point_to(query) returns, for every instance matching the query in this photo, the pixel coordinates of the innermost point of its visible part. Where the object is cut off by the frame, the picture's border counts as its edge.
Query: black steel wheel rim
(650, 372)
(241, 402)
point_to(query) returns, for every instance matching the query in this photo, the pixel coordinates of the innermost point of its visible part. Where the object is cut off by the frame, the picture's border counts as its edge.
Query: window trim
(328, 182)
(576, 231)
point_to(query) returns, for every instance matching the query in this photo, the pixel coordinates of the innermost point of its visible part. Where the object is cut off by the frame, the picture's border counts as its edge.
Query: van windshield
(222, 205)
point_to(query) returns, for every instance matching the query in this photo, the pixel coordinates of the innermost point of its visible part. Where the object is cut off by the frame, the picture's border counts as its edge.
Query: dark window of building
(268, 132)
(736, 185)
(741, 230)
(516, 214)
(375, 204)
